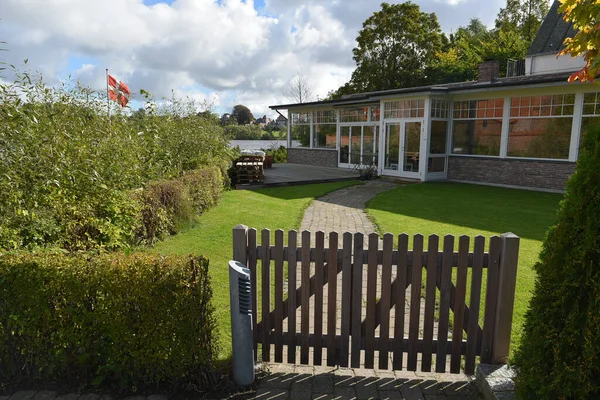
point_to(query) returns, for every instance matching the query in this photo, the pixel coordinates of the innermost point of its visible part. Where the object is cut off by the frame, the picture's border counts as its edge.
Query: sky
(218, 52)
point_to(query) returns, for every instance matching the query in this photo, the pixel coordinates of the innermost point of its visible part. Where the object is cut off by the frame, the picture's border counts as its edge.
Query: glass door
(402, 148)
(358, 145)
(411, 148)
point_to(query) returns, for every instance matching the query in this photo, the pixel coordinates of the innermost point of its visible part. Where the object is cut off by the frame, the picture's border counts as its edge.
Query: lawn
(211, 235)
(462, 209)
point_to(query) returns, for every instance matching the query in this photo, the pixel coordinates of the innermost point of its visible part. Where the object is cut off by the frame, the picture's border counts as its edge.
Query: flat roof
(448, 88)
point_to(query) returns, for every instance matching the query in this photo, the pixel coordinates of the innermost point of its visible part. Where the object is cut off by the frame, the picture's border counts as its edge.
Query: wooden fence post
(507, 279)
(240, 244)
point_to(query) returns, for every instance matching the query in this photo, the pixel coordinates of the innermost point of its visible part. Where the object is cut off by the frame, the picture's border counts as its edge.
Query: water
(260, 144)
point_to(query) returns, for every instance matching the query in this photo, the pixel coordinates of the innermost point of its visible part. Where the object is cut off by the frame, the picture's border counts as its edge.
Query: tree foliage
(559, 355)
(522, 16)
(585, 16)
(395, 47)
(242, 115)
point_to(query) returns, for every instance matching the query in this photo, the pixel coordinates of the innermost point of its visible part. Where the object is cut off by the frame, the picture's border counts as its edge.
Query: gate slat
(386, 292)
(332, 299)
(346, 298)
(430, 296)
(371, 299)
(472, 332)
(415, 302)
(292, 264)
(491, 297)
(319, 264)
(459, 303)
(305, 302)
(356, 316)
(278, 256)
(265, 266)
(444, 319)
(254, 282)
(400, 299)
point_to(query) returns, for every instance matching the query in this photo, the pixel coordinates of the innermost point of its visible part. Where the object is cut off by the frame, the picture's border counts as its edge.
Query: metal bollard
(240, 289)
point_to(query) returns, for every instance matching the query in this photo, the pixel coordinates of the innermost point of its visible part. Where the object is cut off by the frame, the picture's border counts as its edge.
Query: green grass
(461, 209)
(211, 235)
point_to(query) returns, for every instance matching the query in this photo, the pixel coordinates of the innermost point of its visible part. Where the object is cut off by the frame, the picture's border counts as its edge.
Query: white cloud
(226, 53)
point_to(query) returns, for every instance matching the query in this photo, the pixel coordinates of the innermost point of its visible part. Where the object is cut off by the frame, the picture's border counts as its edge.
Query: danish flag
(119, 91)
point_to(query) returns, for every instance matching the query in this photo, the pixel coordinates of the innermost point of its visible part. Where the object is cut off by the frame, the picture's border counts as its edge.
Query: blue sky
(218, 52)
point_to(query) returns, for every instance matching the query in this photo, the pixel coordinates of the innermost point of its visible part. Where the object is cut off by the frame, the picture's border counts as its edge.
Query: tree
(395, 47)
(242, 115)
(559, 354)
(299, 90)
(524, 17)
(585, 16)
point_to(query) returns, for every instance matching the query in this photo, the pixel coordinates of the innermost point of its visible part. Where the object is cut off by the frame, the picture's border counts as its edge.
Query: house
(262, 121)
(518, 131)
(280, 121)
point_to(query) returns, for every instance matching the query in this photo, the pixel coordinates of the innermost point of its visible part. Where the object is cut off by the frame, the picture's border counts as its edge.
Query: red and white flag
(119, 91)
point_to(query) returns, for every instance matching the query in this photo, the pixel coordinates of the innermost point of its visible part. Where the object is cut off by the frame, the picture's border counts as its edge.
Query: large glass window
(591, 113)
(437, 144)
(540, 126)
(324, 133)
(477, 127)
(300, 129)
(356, 114)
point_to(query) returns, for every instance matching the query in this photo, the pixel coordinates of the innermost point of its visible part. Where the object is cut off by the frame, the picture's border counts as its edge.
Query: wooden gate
(373, 313)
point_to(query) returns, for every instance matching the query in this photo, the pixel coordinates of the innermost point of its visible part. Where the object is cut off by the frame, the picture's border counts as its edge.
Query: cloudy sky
(226, 52)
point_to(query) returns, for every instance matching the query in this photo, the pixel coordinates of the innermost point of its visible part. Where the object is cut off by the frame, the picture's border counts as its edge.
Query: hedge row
(164, 205)
(125, 320)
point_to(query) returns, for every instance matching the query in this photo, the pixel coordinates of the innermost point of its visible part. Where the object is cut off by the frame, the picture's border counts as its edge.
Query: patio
(285, 174)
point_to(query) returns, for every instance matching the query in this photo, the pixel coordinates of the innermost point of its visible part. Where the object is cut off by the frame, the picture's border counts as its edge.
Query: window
(540, 126)
(437, 144)
(405, 109)
(440, 109)
(324, 129)
(477, 127)
(375, 113)
(591, 113)
(300, 129)
(357, 114)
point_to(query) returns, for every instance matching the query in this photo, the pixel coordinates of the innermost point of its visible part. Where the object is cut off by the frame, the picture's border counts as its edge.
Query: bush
(244, 132)
(559, 355)
(165, 205)
(124, 320)
(279, 155)
(67, 167)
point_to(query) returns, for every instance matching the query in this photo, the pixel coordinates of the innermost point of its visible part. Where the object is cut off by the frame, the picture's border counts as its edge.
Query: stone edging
(495, 382)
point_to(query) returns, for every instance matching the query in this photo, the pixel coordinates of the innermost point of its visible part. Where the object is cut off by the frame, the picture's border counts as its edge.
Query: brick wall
(320, 157)
(528, 173)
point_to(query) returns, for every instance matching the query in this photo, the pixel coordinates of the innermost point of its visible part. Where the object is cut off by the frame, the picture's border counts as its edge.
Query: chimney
(488, 71)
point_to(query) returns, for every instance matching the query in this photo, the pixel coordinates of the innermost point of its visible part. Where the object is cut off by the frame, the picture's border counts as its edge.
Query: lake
(259, 144)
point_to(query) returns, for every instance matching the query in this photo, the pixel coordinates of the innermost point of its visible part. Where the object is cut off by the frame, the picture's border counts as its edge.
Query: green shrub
(279, 155)
(67, 167)
(559, 354)
(124, 320)
(205, 187)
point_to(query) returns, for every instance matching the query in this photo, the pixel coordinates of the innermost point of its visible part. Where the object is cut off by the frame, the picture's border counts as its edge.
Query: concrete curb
(495, 382)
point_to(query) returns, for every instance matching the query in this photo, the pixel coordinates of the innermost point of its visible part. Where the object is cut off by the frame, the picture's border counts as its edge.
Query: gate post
(507, 280)
(240, 244)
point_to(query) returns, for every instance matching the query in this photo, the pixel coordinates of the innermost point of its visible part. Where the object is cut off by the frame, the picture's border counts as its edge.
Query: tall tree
(523, 16)
(242, 115)
(585, 16)
(395, 47)
(299, 90)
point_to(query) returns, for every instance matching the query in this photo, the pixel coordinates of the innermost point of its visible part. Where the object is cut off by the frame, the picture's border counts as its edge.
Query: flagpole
(107, 96)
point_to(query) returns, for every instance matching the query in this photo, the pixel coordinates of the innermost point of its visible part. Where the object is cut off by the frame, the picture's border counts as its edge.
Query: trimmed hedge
(559, 354)
(123, 320)
(164, 205)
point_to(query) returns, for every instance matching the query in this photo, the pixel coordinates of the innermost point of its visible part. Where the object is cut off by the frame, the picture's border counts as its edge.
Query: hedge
(164, 205)
(124, 320)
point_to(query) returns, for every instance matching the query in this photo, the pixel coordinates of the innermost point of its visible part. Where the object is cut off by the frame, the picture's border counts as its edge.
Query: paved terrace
(282, 174)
